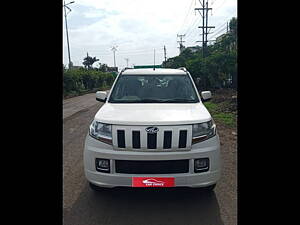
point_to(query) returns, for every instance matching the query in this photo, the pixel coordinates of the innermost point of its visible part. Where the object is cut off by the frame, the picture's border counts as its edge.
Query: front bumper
(95, 149)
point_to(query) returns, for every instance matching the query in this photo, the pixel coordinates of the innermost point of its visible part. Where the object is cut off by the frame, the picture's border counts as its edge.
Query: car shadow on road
(137, 206)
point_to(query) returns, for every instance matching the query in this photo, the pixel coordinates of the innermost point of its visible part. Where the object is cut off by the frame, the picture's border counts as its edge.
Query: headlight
(101, 132)
(203, 131)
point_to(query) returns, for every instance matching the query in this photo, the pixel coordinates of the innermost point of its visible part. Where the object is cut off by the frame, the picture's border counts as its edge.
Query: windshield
(153, 89)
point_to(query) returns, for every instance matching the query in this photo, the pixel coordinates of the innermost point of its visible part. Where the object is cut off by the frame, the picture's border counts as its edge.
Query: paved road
(123, 206)
(76, 104)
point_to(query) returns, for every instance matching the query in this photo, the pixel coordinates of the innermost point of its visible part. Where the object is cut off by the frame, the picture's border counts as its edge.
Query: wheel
(210, 188)
(94, 187)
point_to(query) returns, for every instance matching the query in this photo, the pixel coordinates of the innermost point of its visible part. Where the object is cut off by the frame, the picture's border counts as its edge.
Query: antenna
(154, 61)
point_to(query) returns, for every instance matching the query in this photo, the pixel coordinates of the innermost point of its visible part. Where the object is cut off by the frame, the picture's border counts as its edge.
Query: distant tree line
(218, 69)
(81, 80)
(85, 79)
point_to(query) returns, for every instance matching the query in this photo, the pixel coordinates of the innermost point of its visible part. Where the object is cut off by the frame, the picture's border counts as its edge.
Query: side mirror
(206, 95)
(101, 96)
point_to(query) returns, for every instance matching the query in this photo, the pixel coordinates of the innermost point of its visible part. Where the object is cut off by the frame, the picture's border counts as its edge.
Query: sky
(137, 28)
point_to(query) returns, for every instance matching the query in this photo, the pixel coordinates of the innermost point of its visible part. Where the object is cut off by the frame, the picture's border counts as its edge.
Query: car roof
(160, 71)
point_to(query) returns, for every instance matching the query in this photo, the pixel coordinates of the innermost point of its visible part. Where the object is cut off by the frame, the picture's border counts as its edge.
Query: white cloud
(136, 26)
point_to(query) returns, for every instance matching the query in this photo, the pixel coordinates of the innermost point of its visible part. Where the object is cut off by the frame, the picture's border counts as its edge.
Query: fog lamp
(201, 165)
(102, 165)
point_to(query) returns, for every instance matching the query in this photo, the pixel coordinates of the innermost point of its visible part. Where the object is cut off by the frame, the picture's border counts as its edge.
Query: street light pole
(65, 6)
(114, 49)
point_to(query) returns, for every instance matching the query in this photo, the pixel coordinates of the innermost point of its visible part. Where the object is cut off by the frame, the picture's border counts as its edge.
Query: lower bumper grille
(152, 167)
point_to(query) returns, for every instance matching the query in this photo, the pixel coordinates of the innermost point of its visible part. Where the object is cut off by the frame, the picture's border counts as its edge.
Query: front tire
(95, 187)
(209, 188)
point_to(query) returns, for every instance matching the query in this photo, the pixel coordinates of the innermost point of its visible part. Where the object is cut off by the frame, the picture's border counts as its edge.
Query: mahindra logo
(151, 130)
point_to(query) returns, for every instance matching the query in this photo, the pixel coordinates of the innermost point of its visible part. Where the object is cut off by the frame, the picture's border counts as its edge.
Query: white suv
(152, 131)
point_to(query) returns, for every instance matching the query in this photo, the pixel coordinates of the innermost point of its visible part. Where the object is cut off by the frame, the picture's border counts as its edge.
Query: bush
(84, 80)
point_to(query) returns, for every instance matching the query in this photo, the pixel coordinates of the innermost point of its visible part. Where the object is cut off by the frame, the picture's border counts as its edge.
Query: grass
(211, 107)
(217, 112)
(228, 119)
(83, 92)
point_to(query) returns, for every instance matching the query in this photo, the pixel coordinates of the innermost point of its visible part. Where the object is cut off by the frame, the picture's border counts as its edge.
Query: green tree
(103, 67)
(89, 61)
(218, 67)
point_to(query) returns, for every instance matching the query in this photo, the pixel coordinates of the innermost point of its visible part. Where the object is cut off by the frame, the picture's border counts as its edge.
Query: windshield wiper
(147, 100)
(175, 100)
(150, 100)
(180, 100)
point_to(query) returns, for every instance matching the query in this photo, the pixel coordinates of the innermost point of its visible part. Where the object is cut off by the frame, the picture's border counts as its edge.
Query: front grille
(152, 167)
(168, 138)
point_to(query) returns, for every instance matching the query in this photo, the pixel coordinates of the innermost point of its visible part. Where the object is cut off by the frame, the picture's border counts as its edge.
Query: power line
(192, 26)
(123, 51)
(220, 29)
(213, 1)
(193, 37)
(186, 16)
(217, 8)
(192, 34)
(126, 54)
(218, 34)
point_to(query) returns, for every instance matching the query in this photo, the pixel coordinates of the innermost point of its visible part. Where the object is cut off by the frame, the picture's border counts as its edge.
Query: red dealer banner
(153, 182)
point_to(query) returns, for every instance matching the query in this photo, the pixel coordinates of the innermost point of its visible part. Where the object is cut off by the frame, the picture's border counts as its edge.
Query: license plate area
(153, 182)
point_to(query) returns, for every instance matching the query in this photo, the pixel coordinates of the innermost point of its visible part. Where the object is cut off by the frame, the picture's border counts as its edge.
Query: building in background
(112, 69)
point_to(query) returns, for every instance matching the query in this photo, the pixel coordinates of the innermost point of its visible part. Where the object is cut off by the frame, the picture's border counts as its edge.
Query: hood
(152, 113)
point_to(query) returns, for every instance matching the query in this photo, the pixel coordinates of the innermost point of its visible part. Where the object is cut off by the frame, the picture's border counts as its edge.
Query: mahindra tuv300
(152, 131)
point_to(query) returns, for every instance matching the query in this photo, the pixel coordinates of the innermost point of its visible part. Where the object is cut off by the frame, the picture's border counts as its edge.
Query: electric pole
(165, 53)
(127, 61)
(204, 26)
(65, 6)
(180, 42)
(114, 49)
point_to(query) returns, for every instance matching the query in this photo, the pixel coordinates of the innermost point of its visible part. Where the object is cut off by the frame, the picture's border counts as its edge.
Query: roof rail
(126, 68)
(182, 68)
